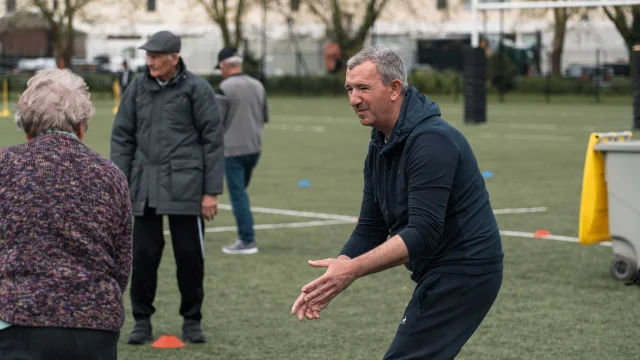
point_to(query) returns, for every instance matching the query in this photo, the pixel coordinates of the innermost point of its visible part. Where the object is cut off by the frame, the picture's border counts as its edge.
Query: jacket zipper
(373, 181)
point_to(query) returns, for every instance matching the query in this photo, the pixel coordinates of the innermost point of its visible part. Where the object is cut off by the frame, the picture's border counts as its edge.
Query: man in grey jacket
(247, 112)
(167, 138)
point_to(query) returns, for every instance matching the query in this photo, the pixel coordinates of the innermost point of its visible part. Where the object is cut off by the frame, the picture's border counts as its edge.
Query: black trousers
(44, 343)
(187, 234)
(443, 313)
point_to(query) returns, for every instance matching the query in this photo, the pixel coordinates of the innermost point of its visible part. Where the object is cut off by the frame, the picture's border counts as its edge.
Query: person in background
(246, 113)
(65, 231)
(124, 77)
(167, 138)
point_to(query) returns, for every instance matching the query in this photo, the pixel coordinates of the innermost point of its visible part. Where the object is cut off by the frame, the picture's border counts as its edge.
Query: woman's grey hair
(55, 99)
(388, 63)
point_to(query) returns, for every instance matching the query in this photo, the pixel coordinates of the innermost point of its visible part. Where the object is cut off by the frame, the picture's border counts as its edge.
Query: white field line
(329, 219)
(332, 219)
(543, 127)
(539, 137)
(296, 213)
(509, 136)
(276, 226)
(317, 118)
(519, 210)
(355, 219)
(520, 234)
(538, 126)
(353, 120)
(548, 237)
(346, 120)
(535, 137)
(303, 128)
(548, 127)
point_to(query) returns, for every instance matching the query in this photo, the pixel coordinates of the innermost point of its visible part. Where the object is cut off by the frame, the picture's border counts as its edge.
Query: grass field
(558, 300)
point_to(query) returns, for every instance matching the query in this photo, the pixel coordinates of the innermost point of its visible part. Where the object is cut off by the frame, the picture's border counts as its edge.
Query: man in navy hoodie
(425, 206)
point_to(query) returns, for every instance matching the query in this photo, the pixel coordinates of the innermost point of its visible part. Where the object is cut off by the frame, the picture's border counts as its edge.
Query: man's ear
(175, 57)
(396, 89)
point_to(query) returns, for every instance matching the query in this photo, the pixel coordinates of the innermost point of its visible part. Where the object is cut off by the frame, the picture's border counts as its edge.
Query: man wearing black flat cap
(244, 118)
(167, 138)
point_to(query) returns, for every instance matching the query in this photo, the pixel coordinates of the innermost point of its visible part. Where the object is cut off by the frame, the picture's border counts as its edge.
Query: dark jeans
(445, 310)
(187, 234)
(238, 170)
(44, 343)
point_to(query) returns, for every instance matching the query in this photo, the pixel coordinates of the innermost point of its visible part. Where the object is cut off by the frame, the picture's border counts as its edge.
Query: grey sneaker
(239, 247)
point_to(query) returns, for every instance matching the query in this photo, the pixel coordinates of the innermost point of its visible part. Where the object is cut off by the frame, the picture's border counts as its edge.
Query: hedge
(429, 82)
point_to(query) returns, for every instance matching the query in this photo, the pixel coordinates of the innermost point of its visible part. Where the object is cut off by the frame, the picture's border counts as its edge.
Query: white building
(117, 28)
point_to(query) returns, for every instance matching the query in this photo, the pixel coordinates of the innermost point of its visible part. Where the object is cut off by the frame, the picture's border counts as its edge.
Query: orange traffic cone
(541, 233)
(168, 342)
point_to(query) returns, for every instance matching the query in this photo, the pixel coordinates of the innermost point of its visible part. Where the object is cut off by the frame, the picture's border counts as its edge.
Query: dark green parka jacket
(168, 141)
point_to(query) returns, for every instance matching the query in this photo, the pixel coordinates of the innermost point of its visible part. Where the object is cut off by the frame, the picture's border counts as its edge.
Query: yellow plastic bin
(610, 208)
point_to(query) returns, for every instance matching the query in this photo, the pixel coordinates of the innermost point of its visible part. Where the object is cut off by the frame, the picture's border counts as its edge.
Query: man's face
(368, 96)
(161, 65)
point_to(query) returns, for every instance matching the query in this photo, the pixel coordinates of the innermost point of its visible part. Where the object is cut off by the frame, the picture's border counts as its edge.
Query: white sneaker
(240, 247)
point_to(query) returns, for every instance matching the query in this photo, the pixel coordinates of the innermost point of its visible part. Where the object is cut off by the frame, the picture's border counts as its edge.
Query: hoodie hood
(416, 109)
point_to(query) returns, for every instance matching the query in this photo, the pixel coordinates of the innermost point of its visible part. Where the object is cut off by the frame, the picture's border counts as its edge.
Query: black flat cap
(162, 42)
(226, 53)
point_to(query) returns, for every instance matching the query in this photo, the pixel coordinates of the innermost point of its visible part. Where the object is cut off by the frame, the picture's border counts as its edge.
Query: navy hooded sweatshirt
(424, 184)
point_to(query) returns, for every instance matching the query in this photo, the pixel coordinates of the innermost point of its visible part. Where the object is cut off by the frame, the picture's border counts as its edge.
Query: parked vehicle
(601, 74)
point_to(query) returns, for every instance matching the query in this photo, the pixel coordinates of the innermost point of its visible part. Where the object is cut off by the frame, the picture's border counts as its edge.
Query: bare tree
(61, 14)
(227, 13)
(338, 17)
(561, 17)
(287, 11)
(627, 21)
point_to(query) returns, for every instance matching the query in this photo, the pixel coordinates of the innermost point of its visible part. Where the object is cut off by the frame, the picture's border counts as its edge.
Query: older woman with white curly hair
(65, 231)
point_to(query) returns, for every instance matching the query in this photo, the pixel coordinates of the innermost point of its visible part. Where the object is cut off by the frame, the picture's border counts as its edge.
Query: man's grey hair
(55, 99)
(388, 63)
(234, 61)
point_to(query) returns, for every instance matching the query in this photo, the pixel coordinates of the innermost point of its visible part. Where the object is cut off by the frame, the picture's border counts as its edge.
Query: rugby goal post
(475, 60)
(477, 5)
